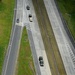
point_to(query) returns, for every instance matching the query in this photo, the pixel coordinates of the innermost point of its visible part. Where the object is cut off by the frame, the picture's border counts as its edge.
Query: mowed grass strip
(67, 8)
(25, 64)
(6, 18)
(50, 44)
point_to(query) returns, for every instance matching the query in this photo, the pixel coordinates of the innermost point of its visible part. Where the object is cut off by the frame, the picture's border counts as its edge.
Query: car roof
(40, 58)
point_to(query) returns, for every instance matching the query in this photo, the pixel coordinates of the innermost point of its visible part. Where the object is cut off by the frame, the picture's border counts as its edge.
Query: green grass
(25, 62)
(6, 18)
(67, 7)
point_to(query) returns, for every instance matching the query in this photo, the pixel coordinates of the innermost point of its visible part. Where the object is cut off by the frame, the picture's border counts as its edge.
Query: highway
(47, 38)
(50, 44)
(64, 43)
(13, 47)
(12, 52)
(35, 39)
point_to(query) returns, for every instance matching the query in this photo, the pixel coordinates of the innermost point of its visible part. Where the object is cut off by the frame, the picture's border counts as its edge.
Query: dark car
(28, 8)
(17, 20)
(41, 61)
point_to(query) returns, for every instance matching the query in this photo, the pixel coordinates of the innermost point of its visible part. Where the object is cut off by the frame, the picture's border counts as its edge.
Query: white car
(30, 18)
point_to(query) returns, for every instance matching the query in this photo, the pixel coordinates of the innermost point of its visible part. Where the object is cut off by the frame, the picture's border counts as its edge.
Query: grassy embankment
(67, 7)
(25, 62)
(51, 48)
(6, 18)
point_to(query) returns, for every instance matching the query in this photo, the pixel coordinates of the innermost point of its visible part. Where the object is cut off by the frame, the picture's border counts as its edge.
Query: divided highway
(22, 19)
(47, 38)
(50, 44)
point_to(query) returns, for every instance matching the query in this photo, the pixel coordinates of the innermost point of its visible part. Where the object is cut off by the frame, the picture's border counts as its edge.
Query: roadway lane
(13, 52)
(35, 39)
(63, 41)
(15, 37)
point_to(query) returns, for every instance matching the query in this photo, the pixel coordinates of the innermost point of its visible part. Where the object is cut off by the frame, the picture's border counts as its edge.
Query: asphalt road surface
(12, 52)
(13, 47)
(64, 43)
(35, 39)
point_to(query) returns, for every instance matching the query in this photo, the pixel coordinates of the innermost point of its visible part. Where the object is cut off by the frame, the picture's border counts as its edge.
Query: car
(41, 62)
(30, 18)
(17, 20)
(28, 8)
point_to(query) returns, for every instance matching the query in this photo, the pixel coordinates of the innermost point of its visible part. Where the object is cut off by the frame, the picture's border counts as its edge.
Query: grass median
(67, 8)
(6, 18)
(25, 64)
